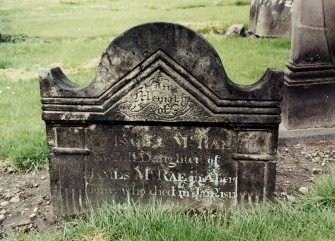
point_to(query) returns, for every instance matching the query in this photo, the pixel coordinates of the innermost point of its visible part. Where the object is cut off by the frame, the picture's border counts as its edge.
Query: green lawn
(73, 34)
(70, 32)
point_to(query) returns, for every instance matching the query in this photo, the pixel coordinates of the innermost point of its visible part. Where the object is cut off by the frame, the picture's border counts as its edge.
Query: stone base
(309, 104)
(305, 136)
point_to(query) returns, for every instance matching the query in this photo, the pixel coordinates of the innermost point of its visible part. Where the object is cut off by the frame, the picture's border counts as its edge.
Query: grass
(72, 33)
(54, 20)
(310, 217)
(246, 60)
(22, 133)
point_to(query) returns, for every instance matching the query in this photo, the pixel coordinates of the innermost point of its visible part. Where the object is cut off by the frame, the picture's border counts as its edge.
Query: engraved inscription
(158, 95)
(191, 163)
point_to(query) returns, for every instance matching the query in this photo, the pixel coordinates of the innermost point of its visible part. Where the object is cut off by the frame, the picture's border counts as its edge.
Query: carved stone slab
(310, 76)
(271, 17)
(160, 120)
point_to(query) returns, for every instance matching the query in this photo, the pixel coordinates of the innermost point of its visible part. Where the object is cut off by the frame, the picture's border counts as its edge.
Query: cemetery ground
(73, 34)
(304, 209)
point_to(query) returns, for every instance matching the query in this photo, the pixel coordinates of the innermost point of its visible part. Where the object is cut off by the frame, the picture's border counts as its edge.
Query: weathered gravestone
(160, 120)
(271, 17)
(309, 90)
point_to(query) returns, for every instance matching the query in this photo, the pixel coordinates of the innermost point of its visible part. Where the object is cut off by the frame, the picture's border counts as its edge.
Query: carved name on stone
(139, 162)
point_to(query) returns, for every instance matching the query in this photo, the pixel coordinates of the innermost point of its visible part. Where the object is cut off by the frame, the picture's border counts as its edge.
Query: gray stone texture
(305, 136)
(271, 18)
(309, 90)
(160, 119)
(235, 30)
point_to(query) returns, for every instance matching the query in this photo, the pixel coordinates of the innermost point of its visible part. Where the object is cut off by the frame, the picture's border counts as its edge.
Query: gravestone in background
(160, 120)
(271, 17)
(309, 90)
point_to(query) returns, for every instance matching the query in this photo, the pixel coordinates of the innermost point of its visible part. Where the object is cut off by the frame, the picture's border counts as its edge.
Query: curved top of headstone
(160, 46)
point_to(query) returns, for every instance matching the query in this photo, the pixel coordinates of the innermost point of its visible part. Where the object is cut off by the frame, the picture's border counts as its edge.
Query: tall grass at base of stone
(309, 218)
(321, 194)
(278, 221)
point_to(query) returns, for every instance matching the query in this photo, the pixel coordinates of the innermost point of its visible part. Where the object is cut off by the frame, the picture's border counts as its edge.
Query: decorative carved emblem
(157, 95)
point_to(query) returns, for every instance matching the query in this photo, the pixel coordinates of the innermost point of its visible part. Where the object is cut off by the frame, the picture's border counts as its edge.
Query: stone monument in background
(271, 18)
(160, 120)
(309, 90)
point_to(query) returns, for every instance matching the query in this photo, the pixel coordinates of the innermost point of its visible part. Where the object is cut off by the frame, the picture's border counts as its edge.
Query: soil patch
(24, 201)
(25, 197)
(298, 165)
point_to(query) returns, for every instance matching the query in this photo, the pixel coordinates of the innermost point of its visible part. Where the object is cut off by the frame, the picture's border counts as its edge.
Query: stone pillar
(271, 17)
(309, 89)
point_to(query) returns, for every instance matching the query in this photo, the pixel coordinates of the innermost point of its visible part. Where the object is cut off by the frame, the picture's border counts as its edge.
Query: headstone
(271, 18)
(309, 88)
(160, 120)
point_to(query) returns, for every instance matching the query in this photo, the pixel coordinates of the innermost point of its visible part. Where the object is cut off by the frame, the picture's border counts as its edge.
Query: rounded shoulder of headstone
(54, 83)
(268, 87)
